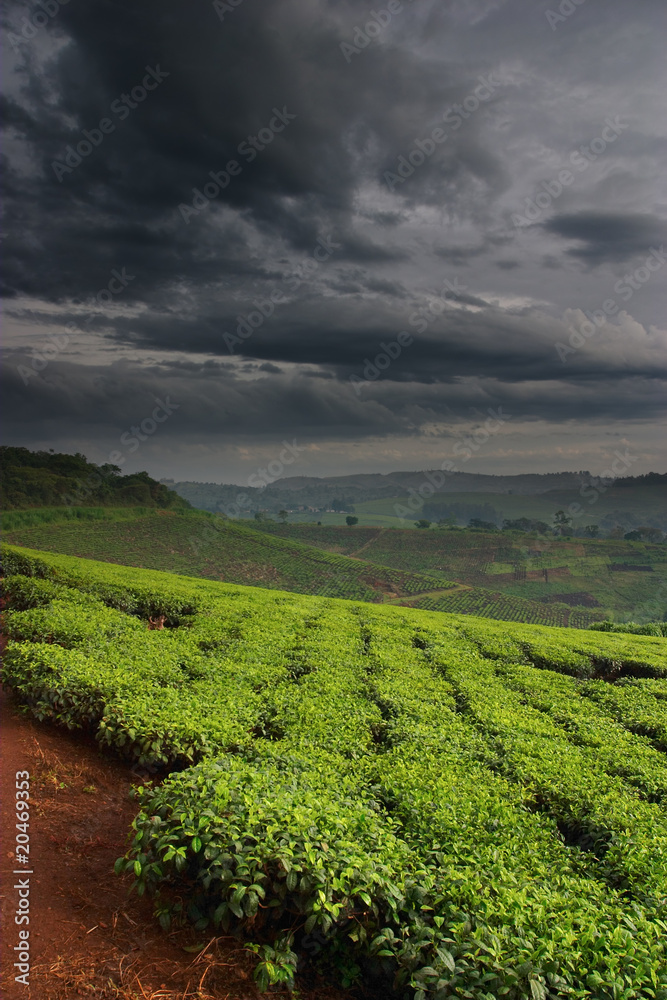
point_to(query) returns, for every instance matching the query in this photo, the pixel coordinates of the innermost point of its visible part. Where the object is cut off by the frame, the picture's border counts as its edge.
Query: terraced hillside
(442, 805)
(595, 577)
(199, 544)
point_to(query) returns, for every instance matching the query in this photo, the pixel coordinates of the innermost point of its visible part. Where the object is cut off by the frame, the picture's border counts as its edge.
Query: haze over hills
(383, 500)
(323, 491)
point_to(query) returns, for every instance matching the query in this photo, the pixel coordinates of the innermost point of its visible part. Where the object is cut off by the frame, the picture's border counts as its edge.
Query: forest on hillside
(52, 479)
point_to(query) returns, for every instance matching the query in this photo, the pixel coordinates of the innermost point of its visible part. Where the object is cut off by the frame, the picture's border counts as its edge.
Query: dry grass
(126, 978)
(54, 773)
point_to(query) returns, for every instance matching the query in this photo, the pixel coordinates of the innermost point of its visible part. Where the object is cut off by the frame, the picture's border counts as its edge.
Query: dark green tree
(562, 523)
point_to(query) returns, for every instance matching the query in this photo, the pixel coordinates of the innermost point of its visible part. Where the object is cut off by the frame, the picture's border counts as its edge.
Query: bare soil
(89, 937)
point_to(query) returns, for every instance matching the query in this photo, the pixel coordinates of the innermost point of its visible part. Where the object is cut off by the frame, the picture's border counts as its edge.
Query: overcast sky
(457, 180)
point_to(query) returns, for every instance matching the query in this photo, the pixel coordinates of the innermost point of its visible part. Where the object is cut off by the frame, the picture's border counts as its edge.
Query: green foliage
(527, 524)
(649, 628)
(200, 544)
(462, 808)
(350, 520)
(514, 575)
(477, 524)
(23, 592)
(43, 479)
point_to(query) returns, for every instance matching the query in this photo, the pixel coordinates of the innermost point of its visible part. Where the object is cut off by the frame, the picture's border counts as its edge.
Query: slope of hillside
(606, 577)
(198, 544)
(31, 479)
(434, 801)
(195, 543)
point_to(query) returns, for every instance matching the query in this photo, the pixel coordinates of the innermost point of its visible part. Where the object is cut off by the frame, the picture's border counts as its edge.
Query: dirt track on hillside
(88, 936)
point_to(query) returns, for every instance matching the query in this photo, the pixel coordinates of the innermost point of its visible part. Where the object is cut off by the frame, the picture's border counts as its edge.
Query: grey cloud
(608, 236)
(321, 177)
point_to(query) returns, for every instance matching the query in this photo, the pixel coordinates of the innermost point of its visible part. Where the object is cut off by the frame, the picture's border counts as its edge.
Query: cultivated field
(199, 544)
(596, 578)
(456, 806)
(194, 543)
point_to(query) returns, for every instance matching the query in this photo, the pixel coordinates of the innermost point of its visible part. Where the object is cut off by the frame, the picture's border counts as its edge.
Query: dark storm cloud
(459, 256)
(608, 236)
(110, 399)
(197, 273)
(222, 86)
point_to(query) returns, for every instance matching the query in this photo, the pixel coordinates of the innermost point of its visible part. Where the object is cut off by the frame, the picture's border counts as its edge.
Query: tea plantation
(202, 544)
(443, 805)
(598, 577)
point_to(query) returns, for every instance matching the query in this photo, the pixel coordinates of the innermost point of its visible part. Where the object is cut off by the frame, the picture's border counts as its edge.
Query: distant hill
(47, 478)
(398, 498)
(346, 491)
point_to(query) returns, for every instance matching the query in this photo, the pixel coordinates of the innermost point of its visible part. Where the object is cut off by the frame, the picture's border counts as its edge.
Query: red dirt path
(88, 937)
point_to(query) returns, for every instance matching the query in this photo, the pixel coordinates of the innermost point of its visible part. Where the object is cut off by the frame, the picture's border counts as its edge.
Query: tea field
(442, 805)
(504, 607)
(581, 573)
(200, 544)
(195, 543)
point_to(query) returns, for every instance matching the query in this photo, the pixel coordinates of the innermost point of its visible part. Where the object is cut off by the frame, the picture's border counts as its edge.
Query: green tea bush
(461, 807)
(649, 628)
(23, 592)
